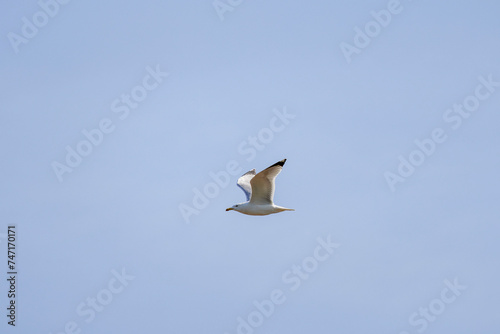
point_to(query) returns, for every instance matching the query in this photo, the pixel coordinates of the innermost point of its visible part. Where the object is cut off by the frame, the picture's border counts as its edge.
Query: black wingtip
(279, 163)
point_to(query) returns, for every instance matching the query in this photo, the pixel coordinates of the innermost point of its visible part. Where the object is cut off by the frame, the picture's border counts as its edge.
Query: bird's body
(259, 190)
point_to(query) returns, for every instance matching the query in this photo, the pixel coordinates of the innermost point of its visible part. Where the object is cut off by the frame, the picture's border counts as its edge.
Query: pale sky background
(119, 209)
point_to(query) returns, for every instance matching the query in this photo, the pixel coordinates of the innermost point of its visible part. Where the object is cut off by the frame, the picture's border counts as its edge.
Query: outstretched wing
(244, 183)
(263, 184)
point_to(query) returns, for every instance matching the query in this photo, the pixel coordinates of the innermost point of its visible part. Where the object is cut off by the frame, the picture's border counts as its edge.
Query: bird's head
(235, 207)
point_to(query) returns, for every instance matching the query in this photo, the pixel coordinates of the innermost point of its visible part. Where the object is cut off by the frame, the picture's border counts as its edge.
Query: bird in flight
(259, 190)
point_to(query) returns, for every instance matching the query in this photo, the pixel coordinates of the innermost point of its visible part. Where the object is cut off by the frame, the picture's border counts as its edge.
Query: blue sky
(392, 163)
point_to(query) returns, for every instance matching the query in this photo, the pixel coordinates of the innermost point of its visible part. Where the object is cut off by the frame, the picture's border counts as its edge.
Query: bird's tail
(286, 209)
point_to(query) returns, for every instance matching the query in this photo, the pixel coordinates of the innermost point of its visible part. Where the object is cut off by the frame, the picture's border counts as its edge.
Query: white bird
(259, 189)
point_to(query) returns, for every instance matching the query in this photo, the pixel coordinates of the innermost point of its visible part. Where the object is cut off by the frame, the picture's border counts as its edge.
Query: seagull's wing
(263, 184)
(244, 183)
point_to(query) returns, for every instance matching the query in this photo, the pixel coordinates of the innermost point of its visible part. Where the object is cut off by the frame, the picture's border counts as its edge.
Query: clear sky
(125, 126)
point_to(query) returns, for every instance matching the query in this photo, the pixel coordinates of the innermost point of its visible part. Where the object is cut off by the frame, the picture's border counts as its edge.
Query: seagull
(259, 189)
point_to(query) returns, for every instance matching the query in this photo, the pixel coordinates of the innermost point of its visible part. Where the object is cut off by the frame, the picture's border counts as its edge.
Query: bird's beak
(228, 209)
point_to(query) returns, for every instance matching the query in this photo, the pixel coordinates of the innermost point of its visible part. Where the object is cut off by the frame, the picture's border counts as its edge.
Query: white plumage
(259, 190)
